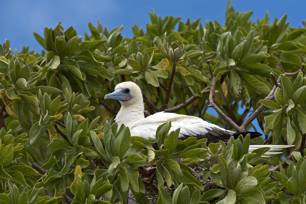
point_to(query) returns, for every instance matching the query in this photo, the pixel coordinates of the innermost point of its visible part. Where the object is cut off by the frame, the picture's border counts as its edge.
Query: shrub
(58, 144)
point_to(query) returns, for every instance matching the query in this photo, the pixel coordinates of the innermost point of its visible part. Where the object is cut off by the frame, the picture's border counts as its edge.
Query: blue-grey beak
(119, 94)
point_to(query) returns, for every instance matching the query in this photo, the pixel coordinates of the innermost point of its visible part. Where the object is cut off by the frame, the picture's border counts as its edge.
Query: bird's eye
(126, 90)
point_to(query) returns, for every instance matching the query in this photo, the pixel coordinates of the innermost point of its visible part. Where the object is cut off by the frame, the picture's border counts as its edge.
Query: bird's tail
(273, 150)
(252, 134)
(218, 133)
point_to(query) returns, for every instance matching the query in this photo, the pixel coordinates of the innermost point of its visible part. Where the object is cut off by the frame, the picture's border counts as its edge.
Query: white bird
(131, 114)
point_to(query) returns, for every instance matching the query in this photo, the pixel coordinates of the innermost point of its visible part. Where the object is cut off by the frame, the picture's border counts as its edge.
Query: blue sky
(20, 18)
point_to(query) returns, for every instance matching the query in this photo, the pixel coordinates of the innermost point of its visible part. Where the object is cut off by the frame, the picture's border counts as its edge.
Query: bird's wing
(191, 125)
(273, 149)
(188, 125)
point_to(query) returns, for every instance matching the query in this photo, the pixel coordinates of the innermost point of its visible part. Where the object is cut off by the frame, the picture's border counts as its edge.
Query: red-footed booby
(131, 114)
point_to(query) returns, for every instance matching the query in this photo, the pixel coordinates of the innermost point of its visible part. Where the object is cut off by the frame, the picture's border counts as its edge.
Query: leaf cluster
(57, 144)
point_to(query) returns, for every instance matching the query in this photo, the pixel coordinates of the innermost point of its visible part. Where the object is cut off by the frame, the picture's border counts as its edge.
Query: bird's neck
(129, 114)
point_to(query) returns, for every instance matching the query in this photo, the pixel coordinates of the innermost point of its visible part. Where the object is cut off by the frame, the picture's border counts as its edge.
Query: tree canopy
(59, 144)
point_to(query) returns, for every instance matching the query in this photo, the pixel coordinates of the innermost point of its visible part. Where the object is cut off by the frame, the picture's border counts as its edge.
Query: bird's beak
(119, 95)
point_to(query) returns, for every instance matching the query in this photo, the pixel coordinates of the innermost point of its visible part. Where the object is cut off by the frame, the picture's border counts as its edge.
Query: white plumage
(131, 114)
(188, 125)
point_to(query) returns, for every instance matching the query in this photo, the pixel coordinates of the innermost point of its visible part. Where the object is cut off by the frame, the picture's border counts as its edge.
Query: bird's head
(127, 93)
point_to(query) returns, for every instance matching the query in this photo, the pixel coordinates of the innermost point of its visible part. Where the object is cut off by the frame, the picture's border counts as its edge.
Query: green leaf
(136, 159)
(55, 62)
(270, 104)
(173, 166)
(76, 136)
(76, 72)
(290, 106)
(259, 69)
(176, 193)
(7, 154)
(246, 184)
(40, 40)
(97, 143)
(123, 63)
(91, 45)
(100, 187)
(235, 83)
(230, 198)
(287, 89)
(299, 95)
(212, 194)
(197, 74)
(49, 89)
(162, 133)
(113, 165)
(184, 196)
(60, 45)
(254, 58)
(256, 83)
(195, 197)
(134, 180)
(279, 98)
(290, 58)
(151, 78)
(194, 53)
(171, 141)
(193, 153)
(301, 118)
(77, 186)
(122, 142)
(21, 83)
(253, 197)
(290, 132)
(124, 179)
(35, 131)
(163, 171)
(68, 124)
(163, 196)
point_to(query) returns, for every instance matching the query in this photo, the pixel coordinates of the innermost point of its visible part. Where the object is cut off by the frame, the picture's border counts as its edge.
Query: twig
(292, 73)
(186, 102)
(39, 168)
(2, 116)
(67, 198)
(273, 168)
(244, 114)
(217, 108)
(258, 110)
(231, 114)
(152, 108)
(303, 144)
(169, 88)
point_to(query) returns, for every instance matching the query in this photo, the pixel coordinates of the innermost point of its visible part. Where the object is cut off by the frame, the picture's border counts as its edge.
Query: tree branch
(186, 102)
(2, 116)
(217, 108)
(169, 88)
(244, 114)
(39, 168)
(303, 144)
(67, 198)
(152, 108)
(258, 110)
(230, 112)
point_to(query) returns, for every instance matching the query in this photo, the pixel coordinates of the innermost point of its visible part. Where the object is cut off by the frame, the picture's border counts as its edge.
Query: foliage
(57, 144)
